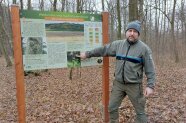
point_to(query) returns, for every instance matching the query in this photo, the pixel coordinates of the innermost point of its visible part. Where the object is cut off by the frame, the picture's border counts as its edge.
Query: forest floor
(51, 97)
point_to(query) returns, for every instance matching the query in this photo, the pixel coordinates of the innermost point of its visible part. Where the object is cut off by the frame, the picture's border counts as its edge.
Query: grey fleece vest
(127, 69)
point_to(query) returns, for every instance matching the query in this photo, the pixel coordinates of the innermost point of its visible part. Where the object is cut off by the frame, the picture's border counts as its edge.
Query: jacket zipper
(124, 65)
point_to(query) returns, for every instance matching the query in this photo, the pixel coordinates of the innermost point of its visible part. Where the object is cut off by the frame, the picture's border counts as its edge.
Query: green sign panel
(44, 14)
(53, 39)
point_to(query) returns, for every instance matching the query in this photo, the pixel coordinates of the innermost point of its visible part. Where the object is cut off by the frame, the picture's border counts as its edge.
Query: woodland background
(52, 96)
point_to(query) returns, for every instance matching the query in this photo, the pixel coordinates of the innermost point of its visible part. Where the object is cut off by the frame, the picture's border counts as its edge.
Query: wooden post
(105, 73)
(18, 60)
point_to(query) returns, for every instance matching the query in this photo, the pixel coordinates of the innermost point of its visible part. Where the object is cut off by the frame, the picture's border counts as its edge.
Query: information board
(54, 39)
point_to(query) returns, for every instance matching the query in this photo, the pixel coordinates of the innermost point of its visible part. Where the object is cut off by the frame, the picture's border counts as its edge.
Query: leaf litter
(53, 97)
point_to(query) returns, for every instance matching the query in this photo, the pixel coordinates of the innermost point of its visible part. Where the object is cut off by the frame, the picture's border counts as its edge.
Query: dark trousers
(135, 94)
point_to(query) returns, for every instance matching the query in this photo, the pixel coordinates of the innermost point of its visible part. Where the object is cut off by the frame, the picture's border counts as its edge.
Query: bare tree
(78, 6)
(158, 20)
(29, 5)
(124, 15)
(156, 29)
(142, 20)
(119, 20)
(2, 44)
(172, 33)
(183, 20)
(63, 4)
(41, 5)
(111, 7)
(133, 10)
(164, 26)
(103, 5)
(55, 5)
(14, 1)
(21, 3)
(141, 13)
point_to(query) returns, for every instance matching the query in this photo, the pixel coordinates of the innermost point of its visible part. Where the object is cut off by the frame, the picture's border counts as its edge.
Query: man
(133, 57)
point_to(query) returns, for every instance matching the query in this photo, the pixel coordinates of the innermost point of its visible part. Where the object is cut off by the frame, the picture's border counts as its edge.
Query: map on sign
(54, 39)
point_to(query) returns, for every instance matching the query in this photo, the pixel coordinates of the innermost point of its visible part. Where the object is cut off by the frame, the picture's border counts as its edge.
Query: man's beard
(132, 41)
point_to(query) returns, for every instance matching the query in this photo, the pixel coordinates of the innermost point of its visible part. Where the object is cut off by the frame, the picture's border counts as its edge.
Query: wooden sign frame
(105, 70)
(18, 60)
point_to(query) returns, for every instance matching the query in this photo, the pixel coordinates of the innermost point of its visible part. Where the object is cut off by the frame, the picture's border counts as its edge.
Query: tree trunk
(144, 35)
(141, 14)
(133, 10)
(119, 20)
(7, 28)
(102, 3)
(1, 53)
(29, 5)
(149, 26)
(183, 20)
(156, 42)
(164, 29)
(21, 3)
(142, 19)
(41, 5)
(55, 5)
(14, 1)
(2, 46)
(63, 3)
(124, 16)
(173, 35)
(78, 6)
(111, 26)
(185, 32)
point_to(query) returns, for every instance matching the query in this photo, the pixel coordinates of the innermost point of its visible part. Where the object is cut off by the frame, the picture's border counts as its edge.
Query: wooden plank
(18, 60)
(105, 70)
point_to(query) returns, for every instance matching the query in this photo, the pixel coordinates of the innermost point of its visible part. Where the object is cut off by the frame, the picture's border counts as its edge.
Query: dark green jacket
(132, 60)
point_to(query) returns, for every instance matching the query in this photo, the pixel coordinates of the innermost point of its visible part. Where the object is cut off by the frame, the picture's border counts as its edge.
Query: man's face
(132, 35)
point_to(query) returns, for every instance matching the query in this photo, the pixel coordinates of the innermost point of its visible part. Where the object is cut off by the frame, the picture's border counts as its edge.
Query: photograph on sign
(73, 60)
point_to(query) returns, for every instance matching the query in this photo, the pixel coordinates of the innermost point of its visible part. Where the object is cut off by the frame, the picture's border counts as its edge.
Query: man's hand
(82, 55)
(148, 91)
